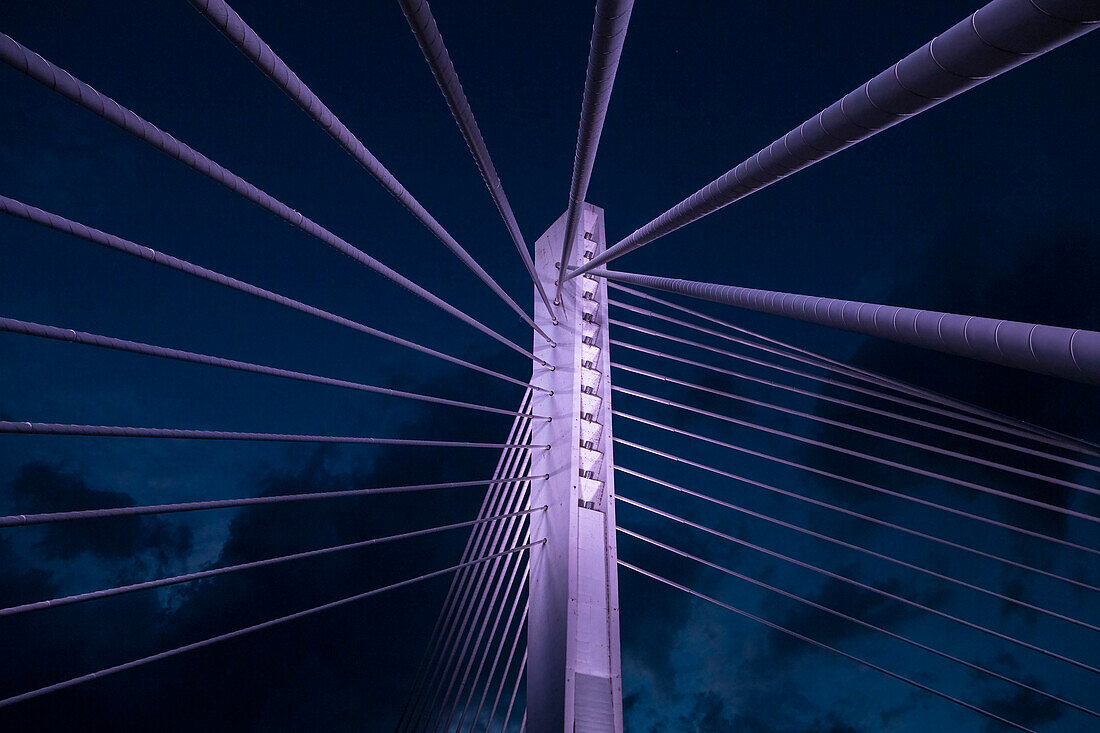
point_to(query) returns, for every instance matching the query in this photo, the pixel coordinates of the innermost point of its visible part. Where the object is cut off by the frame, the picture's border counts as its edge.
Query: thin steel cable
(515, 690)
(233, 27)
(213, 572)
(847, 512)
(508, 664)
(863, 431)
(510, 534)
(864, 550)
(826, 647)
(1029, 432)
(861, 484)
(1060, 439)
(861, 622)
(496, 610)
(826, 380)
(486, 601)
(114, 431)
(59, 223)
(863, 408)
(23, 59)
(515, 591)
(864, 586)
(997, 37)
(608, 35)
(507, 495)
(514, 586)
(519, 428)
(510, 496)
(430, 40)
(1069, 353)
(26, 328)
(239, 632)
(429, 666)
(865, 456)
(441, 642)
(19, 520)
(499, 648)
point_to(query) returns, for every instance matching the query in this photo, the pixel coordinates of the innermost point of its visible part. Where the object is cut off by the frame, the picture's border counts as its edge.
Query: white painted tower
(574, 681)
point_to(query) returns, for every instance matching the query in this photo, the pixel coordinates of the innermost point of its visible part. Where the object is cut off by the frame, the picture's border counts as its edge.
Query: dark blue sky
(985, 205)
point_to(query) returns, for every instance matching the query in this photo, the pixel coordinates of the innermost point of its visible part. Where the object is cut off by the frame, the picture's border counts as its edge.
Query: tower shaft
(574, 682)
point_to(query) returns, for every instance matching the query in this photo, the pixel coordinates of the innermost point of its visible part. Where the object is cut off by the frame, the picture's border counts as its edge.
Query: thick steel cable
(23, 59)
(508, 495)
(863, 431)
(26, 328)
(240, 632)
(608, 35)
(845, 511)
(1021, 429)
(992, 40)
(233, 27)
(512, 532)
(427, 34)
(76, 229)
(1069, 353)
(864, 550)
(862, 623)
(213, 572)
(519, 431)
(508, 664)
(114, 431)
(871, 377)
(826, 647)
(515, 590)
(515, 690)
(864, 586)
(860, 484)
(19, 520)
(863, 408)
(865, 456)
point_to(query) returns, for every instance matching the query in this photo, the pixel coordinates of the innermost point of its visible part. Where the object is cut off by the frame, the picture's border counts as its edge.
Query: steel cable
(1033, 432)
(241, 35)
(861, 484)
(861, 622)
(430, 40)
(76, 229)
(23, 59)
(241, 632)
(864, 586)
(849, 512)
(826, 647)
(26, 328)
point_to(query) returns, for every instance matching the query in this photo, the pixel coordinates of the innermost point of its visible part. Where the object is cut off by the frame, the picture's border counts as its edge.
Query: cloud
(349, 668)
(40, 487)
(1023, 707)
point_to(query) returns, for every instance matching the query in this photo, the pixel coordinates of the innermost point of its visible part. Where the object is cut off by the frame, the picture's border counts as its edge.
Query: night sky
(985, 205)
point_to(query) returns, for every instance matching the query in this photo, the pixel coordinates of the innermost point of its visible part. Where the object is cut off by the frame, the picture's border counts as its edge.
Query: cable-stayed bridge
(528, 635)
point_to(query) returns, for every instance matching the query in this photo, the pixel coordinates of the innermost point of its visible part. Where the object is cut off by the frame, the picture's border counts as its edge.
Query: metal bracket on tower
(574, 682)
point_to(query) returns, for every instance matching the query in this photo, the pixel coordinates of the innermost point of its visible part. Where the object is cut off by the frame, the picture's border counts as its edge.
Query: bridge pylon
(574, 679)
